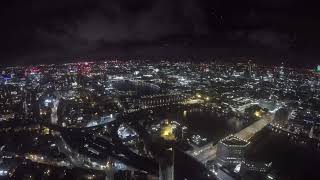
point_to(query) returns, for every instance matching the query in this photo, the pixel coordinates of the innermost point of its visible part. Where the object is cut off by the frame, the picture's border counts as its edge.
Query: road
(208, 152)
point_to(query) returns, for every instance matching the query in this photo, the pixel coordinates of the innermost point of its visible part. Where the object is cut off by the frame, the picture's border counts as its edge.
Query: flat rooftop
(234, 140)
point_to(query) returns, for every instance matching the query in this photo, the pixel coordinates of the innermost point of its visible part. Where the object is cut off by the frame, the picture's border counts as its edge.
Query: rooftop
(234, 141)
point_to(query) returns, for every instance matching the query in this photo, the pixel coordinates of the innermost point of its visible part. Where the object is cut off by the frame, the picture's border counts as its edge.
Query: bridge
(208, 152)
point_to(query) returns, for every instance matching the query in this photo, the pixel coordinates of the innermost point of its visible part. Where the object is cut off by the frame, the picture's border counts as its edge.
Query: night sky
(267, 31)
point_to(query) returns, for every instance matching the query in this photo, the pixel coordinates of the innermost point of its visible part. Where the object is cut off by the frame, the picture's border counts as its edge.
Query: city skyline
(159, 120)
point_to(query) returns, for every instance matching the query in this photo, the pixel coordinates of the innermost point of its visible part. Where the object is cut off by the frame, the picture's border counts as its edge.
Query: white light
(270, 177)
(48, 101)
(3, 172)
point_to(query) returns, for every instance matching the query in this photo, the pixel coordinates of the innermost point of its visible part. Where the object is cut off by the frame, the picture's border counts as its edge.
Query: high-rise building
(166, 166)
(248, 70)
(230, 151)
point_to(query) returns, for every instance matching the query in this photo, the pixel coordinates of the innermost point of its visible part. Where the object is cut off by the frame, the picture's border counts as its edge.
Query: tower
(250, 68)
(166, 165)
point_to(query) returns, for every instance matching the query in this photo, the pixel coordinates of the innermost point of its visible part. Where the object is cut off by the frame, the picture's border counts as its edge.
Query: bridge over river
(208, 152)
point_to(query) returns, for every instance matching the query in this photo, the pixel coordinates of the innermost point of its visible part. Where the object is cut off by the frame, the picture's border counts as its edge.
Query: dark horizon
(269, 61)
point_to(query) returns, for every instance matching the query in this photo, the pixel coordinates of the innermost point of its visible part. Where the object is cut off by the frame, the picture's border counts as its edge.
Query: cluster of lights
(167, 132)
(232, 137)
(261, 167)
(3, 172)
(258, 114)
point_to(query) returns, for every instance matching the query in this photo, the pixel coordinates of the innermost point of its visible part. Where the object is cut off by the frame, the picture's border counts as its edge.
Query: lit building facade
(230, 151)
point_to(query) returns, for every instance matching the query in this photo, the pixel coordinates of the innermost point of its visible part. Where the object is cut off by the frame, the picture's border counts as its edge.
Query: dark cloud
(39, 31)
(79, 26)
(270, 39)
(114, 22)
